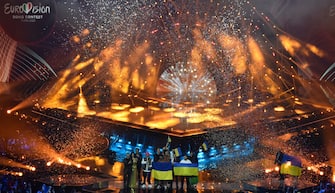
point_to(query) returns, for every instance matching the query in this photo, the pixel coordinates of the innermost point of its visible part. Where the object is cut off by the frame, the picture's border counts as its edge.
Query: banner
(287, 168)
(183, 169)
(290, 165)
(204, 146)
(293, 160)
(177, 151)
(162, 170)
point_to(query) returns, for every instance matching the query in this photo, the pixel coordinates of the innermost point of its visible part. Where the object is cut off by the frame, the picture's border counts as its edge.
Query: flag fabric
(295, 161)
(162, 170)
(177, 151)
(290, 165)
(185, 169)
(167, 146)
(287, 168)
(204, 146)
(169, 139)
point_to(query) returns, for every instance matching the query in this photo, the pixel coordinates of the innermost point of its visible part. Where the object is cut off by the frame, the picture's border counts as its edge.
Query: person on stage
(146, 167)
(127, 167)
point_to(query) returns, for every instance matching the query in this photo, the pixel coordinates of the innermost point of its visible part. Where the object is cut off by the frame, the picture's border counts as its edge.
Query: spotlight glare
(60, 160)
(9, 111)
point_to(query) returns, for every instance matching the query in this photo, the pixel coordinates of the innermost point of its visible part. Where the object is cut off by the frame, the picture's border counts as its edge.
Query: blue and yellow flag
(290, 165)
(287, 168)
(204, 146)
(169, 139)
(162, 170)
(184, 169)
(177, 151)
(295, 161)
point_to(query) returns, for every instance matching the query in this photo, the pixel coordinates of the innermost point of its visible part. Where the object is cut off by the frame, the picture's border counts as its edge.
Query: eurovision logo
(26, 8)
(27, 21)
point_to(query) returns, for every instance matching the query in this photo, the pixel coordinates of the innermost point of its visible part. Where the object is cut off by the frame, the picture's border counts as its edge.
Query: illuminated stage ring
(183, 83)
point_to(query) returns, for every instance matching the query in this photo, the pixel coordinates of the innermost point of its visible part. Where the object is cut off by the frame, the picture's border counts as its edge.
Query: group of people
(138, 169)
(132, 169)
(170, 156)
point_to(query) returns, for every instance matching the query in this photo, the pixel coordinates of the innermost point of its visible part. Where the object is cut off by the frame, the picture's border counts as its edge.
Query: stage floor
(267, 185)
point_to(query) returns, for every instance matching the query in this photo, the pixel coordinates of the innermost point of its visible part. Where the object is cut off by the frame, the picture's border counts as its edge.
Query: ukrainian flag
(184, 169)
(290, 165)
(162, 170)
(204, 146)
(169, 139)
(177, 151)
(287, 168)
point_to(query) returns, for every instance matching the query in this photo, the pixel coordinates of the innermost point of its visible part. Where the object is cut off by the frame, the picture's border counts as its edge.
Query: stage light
(60, 160)
(224, 149)
(201, 154)
(139, 145)
(279, 109)
(212, 152)
(237, 146)
(119, 145)
(9, 111)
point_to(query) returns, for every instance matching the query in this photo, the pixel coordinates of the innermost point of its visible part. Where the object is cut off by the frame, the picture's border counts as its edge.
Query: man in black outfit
(158, 155)
(139, 165)
(127, 162)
